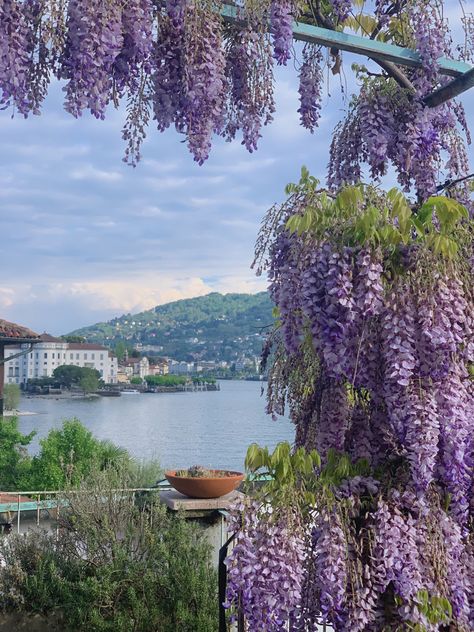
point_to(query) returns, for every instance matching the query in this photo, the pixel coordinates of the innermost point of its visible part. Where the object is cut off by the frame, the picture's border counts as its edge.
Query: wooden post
(2, 376)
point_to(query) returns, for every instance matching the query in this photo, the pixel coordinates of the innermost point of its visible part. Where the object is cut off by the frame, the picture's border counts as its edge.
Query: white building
(180, 368)
(52, 352)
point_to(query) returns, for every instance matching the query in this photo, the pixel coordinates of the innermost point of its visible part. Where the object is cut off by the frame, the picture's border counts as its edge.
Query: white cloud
(89, 172)
(7, 297)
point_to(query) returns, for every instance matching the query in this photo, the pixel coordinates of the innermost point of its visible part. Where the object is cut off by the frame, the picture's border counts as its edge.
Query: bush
(119, 566)
(15, 462)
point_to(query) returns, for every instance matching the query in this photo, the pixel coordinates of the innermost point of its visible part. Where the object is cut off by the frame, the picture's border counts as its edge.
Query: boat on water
(130, 391)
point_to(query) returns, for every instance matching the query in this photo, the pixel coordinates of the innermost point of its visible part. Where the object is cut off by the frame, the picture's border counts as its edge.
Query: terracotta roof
(16, 333)
(5, 497)
(86, 346)
(48, 338)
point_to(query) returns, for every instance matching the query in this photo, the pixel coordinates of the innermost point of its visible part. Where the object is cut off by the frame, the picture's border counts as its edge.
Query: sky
(85, 237)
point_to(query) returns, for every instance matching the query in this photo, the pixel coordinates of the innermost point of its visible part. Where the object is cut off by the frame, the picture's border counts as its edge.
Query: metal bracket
(18, 355)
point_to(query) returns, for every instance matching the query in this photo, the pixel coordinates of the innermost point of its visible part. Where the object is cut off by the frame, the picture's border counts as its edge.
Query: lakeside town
(38, 367)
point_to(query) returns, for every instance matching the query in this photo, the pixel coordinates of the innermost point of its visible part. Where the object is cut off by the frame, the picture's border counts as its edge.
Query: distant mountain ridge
(212, 327)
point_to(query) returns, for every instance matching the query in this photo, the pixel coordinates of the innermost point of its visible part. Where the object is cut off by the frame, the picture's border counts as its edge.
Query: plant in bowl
(200, 482)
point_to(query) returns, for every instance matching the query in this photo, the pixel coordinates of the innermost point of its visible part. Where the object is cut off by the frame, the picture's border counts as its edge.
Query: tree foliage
(69, 375)
(68, 454)
(11, 396)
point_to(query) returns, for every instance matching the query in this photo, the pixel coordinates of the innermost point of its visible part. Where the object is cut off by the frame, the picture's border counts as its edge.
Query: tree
(65, 454)
(136, 380)
(89, 381)
(14, 460)
(68, 375)
(11, 396)
(120, 350)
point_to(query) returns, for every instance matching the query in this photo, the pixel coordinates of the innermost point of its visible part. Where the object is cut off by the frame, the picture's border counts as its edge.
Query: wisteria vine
(177, 62)
(373, 353)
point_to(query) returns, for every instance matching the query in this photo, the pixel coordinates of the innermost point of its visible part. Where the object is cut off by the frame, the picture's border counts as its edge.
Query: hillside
(213, 327)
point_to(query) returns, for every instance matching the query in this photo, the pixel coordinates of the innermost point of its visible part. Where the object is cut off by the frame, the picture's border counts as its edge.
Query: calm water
(180, 429)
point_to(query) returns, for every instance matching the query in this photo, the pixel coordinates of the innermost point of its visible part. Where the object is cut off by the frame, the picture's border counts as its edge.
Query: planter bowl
(205, 487)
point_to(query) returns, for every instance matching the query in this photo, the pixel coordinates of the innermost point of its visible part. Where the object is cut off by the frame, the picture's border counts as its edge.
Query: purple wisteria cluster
(15, 60)
(94, 41)
(281, 25)
(388, 125)
(390, 327)
(385, 127)
(265, 567)
(310, 87)
(178, 63)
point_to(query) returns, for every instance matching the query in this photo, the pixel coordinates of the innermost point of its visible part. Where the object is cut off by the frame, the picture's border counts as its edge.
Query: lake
(211, 428)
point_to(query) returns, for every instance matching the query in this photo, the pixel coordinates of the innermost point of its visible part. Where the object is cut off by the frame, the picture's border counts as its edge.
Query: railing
(31, 501)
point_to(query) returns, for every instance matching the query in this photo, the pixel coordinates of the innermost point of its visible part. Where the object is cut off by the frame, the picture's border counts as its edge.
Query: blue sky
(85, 237)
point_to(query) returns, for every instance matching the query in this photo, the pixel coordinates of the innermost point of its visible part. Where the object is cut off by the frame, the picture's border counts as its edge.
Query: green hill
(213, 327)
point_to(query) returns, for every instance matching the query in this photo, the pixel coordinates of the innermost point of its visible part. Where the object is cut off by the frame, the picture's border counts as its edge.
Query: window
(71, 356)
(93, 356)
(77, 356)
(53, 355)
(101, 356)
(46, 354)
(85, 356)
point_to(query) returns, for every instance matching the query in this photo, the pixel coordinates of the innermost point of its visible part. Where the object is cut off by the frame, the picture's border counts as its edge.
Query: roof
(11, 333)
(86, 346)
(6, 497)
(48, 338)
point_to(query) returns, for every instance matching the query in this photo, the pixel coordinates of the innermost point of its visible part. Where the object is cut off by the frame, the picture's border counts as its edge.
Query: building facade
(52, 352)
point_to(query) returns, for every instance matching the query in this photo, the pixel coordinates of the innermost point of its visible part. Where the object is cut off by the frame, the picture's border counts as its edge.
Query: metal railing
(32, 503)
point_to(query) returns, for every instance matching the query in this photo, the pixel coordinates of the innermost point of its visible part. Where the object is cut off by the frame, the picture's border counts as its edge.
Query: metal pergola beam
(461, 71)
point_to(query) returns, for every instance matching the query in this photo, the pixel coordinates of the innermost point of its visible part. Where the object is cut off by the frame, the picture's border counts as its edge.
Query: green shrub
(118, 566)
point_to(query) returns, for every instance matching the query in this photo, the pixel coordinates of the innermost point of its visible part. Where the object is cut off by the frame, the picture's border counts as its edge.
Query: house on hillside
(160, 366)
(134, 367)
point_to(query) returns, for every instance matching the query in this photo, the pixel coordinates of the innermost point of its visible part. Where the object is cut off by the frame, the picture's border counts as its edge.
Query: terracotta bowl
(205, 487)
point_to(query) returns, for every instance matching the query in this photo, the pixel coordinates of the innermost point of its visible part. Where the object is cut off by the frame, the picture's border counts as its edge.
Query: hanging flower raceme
(15, 45)
(281, 24)
(94, 42)
(134, 58)
(272, 545)
(310, 88)
(204, 79)
(250, 103)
